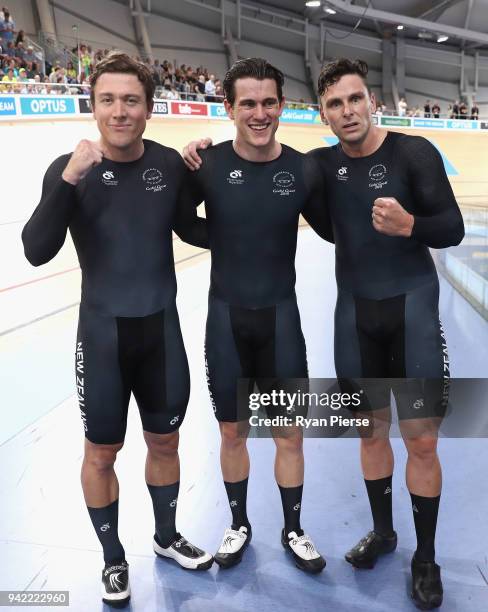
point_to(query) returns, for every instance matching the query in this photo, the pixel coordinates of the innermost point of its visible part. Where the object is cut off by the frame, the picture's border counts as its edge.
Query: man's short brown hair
(119, 62)
(336, 69)
(254, 68)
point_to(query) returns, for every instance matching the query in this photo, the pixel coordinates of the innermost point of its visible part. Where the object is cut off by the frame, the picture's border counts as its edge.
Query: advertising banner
(189, 109)
(160, 107)
(85, 105)
(47, 105)
(396, 121)
(7, 106)
(295, 115)
(462, 124)
(429, 123)
(217, 111)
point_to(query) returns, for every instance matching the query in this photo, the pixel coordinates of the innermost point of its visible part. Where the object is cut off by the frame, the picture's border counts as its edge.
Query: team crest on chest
(153, 179)
(377, 176)
(284, 183)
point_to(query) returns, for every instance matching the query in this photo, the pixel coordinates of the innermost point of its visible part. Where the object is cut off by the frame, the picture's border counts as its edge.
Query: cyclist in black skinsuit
(389, 200)
(118, 197)
(254, 191)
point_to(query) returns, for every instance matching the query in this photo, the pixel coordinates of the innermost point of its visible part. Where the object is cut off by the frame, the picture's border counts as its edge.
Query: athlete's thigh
(102, 388)
(347, 353)
(161, 382)
(359, 359)
(290, 350)
(222, 360)
(425, 392)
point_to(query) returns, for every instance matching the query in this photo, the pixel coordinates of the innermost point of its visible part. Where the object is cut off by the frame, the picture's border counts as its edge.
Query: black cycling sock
(425, 510)
(105, 521)
(291, 499)
(165, 499)
(237, 495)
(379, 493)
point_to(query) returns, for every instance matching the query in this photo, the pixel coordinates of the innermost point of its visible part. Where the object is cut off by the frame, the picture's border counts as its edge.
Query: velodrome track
(46, 540)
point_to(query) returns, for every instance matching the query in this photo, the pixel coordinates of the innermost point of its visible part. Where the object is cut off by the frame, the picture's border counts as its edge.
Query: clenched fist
(390, 218)
(86, 156)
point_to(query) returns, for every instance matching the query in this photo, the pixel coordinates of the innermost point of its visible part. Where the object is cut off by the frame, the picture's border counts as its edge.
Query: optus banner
(217, 111)
(47, 105)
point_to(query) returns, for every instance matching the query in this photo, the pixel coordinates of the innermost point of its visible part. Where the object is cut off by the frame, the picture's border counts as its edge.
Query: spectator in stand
(463, 110)
(53, 76)
(475, 111)
(7, 28)
(20, 38)
(201, 85)
(210, 89)
(171, 93)
(85, 60)
(219, 90)
(30, 56)
(156, 70)
(436, 110)
(455, 110)
(22, 78)
(427, 109)
(61, 86)
(9, 76)
(197, 92)
(71, 73)
(20, 51)
(11, 65)
(9, 51)
(402, 107)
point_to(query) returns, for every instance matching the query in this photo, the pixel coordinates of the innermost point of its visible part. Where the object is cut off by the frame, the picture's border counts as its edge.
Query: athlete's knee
(163, 446)
(375, 445)
(101, 457)
(234, 436)
(289, 442)
(422, 449)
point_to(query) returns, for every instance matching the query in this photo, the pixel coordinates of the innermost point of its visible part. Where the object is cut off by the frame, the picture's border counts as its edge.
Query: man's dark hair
(254, 68)
(116, 61)
(336, 69)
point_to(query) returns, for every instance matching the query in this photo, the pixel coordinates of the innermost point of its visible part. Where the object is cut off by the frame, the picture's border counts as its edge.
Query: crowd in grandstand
(21, 71)
(457, 110)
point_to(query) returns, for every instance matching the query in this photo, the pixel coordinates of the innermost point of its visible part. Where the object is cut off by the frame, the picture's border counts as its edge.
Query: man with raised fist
(391, 201)
(118, 197)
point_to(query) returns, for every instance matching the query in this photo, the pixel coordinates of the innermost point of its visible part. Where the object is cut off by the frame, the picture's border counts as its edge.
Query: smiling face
(120, 109)
(347, 106)
(256, 113)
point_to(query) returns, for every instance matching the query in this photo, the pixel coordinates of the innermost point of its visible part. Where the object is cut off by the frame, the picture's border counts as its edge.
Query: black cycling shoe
(366, 552)
(115, 584)
(427, 589)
